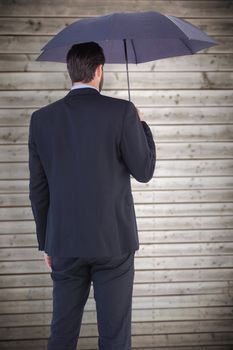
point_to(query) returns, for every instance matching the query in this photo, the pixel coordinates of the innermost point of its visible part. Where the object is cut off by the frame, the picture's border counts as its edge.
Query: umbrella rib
(136, 61)
(189, 48)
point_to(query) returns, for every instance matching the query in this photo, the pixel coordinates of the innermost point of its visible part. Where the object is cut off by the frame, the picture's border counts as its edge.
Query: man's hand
(141, 115)
(48, 260)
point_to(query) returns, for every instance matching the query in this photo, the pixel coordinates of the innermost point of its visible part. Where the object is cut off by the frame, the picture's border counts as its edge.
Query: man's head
(85, 63)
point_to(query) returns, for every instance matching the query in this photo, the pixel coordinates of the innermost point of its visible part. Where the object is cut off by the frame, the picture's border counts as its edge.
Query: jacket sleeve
(38, 187)
(137, 145)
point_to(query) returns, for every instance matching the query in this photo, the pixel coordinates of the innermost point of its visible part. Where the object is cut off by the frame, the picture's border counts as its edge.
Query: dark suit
(82, 150)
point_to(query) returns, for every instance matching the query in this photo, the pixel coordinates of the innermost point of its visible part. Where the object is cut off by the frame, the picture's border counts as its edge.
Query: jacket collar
(82, 91)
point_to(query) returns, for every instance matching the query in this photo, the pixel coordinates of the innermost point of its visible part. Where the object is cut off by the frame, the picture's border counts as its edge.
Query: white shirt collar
(80, 86)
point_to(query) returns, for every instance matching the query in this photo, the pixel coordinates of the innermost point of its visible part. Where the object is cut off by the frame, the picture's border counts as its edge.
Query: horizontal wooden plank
(165, 196)
(145, 237)
(52, 25)
(144, 263)
(144, 223)
(32, 45)
(140, 289)
(92, 8)
(138, 315)
(183, 115)
(215, 184)
(215, 249)
(167, 149)
(90, 330)
(164, 276)
(140, 342)
(169, 209)
(147, 342)
(141, 98)
(191, 347)
(188, 167)
(153, 115)
(20, 62)
(142, 210)
(93, 344)
(185, 222)
(183, 168)
(118, 80)
(165, 133)
(152, 237)
(158, 302)
(175, 249)
(158, 278)
(143, 197)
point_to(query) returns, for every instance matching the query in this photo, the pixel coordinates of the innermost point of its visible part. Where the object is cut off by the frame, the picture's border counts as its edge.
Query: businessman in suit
(83, 148)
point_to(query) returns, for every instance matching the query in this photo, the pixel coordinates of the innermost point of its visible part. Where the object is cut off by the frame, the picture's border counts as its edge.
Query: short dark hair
(83, 59)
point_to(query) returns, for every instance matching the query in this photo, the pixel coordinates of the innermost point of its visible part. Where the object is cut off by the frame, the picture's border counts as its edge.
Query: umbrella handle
(126, 58)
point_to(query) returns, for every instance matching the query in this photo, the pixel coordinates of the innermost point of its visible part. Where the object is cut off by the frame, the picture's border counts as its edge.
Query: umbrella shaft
(126, 59)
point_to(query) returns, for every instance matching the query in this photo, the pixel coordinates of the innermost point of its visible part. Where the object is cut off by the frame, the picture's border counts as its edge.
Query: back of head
(82, 61)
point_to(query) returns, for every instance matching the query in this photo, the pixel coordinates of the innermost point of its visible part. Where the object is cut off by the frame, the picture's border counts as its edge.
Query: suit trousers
(112, 279)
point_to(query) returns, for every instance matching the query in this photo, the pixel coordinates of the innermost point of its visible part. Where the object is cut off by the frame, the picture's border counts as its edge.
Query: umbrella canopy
(130, 38)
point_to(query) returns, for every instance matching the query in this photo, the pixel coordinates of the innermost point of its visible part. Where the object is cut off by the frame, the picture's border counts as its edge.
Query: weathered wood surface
(182, 168)
(140, 290)
(162, 133)
(166, 151)
(158, 183)
(142, 342)
(216, 249)
(145, 263)
(144, 223)
(165, 277)
(50, 26)
(19, 239)
(199, 62)
(161, 197)
(144, 211)
(74, 8)
(118, 80)
(89, 329)
(142, 98)
(183, 287)
(173, 115)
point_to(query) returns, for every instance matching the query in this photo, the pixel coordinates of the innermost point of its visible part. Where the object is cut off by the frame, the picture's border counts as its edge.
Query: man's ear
(98, 70)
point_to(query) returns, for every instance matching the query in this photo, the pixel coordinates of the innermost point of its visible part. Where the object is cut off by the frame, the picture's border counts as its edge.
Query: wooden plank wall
(184, 268)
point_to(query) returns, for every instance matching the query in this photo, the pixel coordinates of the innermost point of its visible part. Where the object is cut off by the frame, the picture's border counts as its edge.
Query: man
(82, 150)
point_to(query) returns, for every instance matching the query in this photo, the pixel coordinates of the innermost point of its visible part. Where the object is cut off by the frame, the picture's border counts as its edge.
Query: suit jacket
(83, 149)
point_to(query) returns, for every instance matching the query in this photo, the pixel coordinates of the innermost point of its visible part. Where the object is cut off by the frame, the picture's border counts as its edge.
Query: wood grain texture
(20, 62)
(117, 80)
(181, 8)
(50, 26)
(183, 288)
(141, 98)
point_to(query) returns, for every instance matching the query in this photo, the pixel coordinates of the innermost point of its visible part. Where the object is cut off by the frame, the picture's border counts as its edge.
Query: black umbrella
(130, 38)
